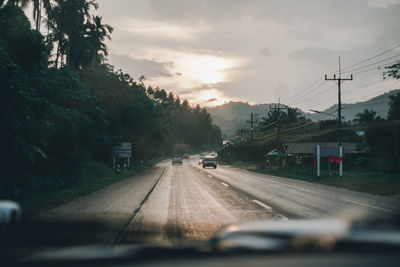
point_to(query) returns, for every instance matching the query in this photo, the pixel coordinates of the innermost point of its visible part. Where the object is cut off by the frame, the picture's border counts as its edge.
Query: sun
(204, 69)
(209, 94)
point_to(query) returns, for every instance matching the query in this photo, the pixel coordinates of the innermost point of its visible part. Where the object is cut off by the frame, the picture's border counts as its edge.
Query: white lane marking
(367, 205)
(305, 190)
(209, 175)
(292, 186)
(224, 184)
(262, 204)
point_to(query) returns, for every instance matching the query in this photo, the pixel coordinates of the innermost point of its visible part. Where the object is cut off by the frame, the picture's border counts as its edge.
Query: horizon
(255, 51)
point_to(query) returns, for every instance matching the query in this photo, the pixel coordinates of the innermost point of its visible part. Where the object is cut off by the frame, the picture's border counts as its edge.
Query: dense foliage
(382, 136)
(61, 105)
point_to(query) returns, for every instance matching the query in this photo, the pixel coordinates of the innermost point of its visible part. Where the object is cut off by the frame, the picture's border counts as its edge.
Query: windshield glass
(136, 122)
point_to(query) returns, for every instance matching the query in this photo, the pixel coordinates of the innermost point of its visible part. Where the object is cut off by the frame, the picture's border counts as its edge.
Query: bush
(372, 164)
(363, 163)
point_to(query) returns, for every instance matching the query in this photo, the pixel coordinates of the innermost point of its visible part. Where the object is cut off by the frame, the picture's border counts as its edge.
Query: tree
(393, 71)
(293, 115)
(96, 33)
(366, 117)
(394, 109)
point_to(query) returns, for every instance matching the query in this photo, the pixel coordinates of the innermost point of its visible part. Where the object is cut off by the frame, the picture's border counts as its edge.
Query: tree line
(62, 105)
(381, 135)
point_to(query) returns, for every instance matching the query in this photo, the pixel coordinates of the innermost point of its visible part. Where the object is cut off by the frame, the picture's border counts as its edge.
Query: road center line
(292, 186)
(224, 184)
(367, 205)
(262, 204)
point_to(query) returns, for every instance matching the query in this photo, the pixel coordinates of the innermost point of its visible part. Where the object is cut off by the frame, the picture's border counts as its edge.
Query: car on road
(177, 159)
(10, 212)
(201, 158)
(186, 156)
(210, 162)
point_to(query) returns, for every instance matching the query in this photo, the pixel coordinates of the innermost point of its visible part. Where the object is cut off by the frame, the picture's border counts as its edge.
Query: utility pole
(339, 82)
(251, 121)
(277, 119)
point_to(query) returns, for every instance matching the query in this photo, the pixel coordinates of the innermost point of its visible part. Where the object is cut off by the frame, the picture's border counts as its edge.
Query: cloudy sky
(214, 51)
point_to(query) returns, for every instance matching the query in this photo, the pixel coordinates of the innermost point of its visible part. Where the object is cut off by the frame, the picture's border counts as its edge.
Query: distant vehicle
(176, 159)
(210, 162)
(201, 158)
(213, 154)
(186, 156)
(10, 212)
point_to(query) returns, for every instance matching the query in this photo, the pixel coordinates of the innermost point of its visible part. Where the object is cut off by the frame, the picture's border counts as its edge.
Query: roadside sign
(335, 152)
(326, 151)
(122, 150)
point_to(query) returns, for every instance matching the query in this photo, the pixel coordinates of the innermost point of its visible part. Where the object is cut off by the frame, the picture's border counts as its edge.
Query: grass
(92, 177)
(358, 180)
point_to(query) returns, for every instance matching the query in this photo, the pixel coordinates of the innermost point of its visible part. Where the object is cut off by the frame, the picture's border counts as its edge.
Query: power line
(317, 94)
(295, 98)
(339, 83)
(251, 121)
(370, 58)
(372, 64)
(277, 119)
(361, 87)
(305, 89)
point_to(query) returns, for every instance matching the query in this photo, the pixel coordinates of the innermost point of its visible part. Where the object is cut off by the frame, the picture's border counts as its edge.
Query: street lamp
(321, 112)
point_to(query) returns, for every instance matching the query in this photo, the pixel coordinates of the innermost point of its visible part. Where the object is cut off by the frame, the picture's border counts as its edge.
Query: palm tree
(37, 9)
(293, 115)
(97, 33)
(68, 23)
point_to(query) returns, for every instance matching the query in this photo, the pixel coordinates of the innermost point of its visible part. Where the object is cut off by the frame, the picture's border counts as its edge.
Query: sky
(215, 51)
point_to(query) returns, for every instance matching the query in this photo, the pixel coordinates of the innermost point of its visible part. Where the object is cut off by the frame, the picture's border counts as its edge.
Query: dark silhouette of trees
(366, 117)
(58, 111)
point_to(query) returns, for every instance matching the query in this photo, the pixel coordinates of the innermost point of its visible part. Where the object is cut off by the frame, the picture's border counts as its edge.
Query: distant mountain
(380, 104)
(233, 115)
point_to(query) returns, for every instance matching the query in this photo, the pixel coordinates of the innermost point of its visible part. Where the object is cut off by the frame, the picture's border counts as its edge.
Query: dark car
(210, 162)
(186, 156)
(176, 159)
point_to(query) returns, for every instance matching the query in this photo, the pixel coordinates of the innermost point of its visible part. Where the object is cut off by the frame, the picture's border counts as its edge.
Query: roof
(308, 148)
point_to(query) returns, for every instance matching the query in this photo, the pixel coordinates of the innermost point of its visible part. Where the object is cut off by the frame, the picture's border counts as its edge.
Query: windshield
(293, 105)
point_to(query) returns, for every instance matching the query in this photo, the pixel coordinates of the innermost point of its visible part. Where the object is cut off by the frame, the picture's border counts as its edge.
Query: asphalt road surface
(170, 202)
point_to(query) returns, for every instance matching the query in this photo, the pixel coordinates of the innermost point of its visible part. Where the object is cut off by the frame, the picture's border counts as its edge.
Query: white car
(10, 212)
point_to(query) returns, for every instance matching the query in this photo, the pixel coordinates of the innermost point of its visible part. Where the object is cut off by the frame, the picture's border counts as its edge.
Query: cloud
(317, 55)
(215, 45)
(137, 67)
(382, 3)
(265, 52)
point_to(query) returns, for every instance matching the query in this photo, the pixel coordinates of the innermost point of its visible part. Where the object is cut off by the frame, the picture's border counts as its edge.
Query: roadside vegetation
(376, 171)
(62, 107)
(91, 176)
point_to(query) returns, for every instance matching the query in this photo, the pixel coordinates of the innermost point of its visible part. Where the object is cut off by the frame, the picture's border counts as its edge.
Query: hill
(233, 115)
(380, 104)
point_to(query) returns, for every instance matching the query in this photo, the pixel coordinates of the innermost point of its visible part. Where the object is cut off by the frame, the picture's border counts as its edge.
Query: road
(172, 201)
